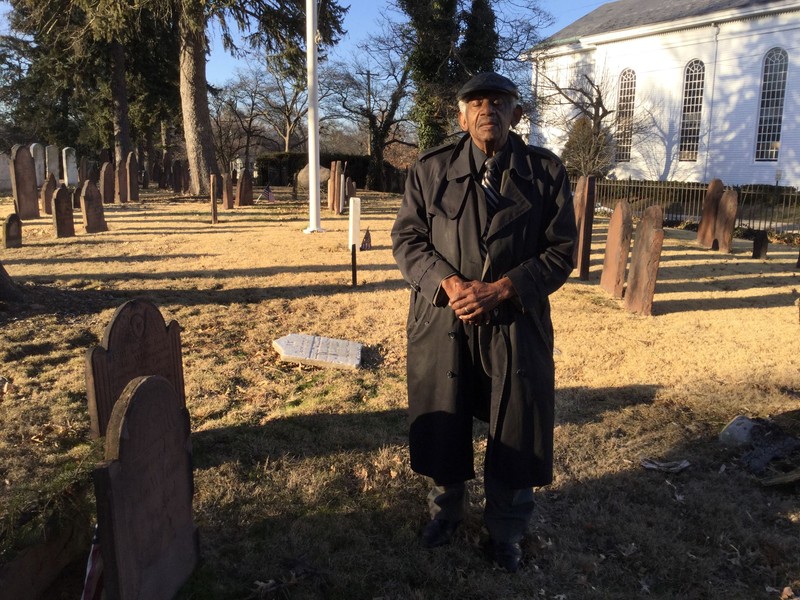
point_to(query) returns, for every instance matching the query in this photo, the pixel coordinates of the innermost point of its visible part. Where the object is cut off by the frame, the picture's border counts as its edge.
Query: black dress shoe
(507, 555)
(438, 532)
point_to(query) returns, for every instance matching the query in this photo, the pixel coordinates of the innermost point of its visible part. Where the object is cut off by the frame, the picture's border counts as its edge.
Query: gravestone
(318, 351)
(177, 176)
(5, 173)
(645, 259)
(94, 220)
(132, 180)
(618, 246)
(53, 162)
(63, 221)
(227, 192)
(136, 343)
(332, 183)
(12, 231)
(708, 221)
(76, 198)
(157, 171)
(94, 173)
(214, 185)
(144, 492)
(23, 183)
(120, 183)
(760, 244)
(46, 195)
(70, 167)
(324, 175)
(107, 183)
(726, 221)
(83, 170)
(244, 189)
(584, 219)
(37, 152)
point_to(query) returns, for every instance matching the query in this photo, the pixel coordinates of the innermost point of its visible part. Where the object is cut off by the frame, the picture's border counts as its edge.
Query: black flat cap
(488, 82)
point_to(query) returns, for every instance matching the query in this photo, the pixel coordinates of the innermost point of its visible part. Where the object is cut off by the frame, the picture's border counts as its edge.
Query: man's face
(488, 117)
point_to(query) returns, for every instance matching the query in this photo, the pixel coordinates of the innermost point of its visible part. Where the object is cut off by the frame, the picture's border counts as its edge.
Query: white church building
(696, 89)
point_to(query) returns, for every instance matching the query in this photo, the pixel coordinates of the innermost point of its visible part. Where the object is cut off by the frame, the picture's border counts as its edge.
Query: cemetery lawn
(302, 483)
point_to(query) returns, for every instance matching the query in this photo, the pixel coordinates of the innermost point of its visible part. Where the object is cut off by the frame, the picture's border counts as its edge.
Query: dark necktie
(491, 188)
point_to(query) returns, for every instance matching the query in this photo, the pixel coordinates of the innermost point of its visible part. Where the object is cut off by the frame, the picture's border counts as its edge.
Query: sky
(364, 16)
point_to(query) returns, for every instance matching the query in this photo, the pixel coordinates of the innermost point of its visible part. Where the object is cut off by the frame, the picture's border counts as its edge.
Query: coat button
(452, 335)
(522, 373)
(450, 374)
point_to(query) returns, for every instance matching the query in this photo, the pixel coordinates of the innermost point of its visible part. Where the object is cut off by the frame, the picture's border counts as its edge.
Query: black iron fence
(764, 207)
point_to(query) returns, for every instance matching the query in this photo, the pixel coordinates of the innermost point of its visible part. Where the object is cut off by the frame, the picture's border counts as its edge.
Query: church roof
(624, 14)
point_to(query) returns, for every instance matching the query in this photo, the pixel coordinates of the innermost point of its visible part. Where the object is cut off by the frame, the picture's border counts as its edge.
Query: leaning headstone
(70, 167)
(94, 220)
(227, 192)
(12, 231)
(645, 259)
(584, 219)
(214, 185)
(177, 176)
(23, 183)
(318, 351)
(708, 221)
(136, 343)
(726, 220)
(46, 195)
(37, 152)
(5, 173)
(53, 162)
(63, 221)
(132, 180)
(120, 183)
(144, 494)
(618, 246)
(244, 189)
(107, 183)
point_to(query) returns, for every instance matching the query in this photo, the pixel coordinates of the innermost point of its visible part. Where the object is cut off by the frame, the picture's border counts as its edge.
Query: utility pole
(369, 108)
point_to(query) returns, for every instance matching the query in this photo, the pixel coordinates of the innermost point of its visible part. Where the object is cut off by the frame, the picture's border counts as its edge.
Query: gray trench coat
(530, 241)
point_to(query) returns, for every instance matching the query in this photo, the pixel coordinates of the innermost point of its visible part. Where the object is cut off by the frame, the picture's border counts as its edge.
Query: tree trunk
(197, 131)
(119, 95)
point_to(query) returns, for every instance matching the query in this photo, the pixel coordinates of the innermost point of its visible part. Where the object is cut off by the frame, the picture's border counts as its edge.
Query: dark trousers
(508, 510)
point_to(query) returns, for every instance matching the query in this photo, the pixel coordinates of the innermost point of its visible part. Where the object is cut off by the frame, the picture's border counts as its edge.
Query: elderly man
(484, 234)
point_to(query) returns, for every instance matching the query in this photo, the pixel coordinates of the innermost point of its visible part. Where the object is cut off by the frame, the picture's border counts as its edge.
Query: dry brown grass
(301, 474)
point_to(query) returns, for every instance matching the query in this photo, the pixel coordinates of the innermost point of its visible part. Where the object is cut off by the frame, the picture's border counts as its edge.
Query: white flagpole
(313, 118)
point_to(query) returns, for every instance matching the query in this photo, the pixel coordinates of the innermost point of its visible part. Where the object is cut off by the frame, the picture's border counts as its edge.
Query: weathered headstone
(244, 189)
(5, 173)
(37, 152)
(618, 246)
(584, 219)
(132, 180)
(227, 192)
(94, 220)
(76, 198)
(83, 170)
(645, 260)
(107, 183)
(708, 221)
(144, 494)
(23, 183)
(120, 183)
(760, 244)
(726, 220)
(214, 185)
(12, 231)
(136, 343)
(177, 176)
(53, 162)
(70, 167)
(46, 195)
(63, 221)
(318, 351)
